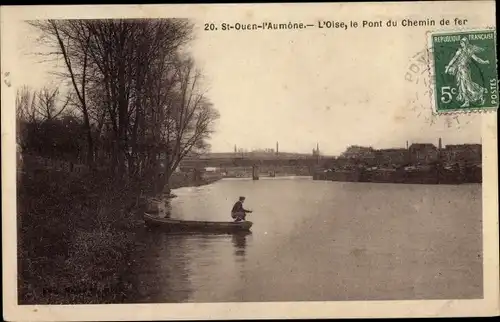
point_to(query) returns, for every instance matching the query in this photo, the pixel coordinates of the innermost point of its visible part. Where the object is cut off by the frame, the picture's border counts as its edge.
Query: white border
(487, 306)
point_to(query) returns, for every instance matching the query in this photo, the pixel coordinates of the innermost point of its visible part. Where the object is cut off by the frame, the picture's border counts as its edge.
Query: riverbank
(76, 232)
(73, 233)
(428, 175)
(181, 180)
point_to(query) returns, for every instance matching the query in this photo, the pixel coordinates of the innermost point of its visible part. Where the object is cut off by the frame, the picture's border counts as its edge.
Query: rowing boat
(199, 226)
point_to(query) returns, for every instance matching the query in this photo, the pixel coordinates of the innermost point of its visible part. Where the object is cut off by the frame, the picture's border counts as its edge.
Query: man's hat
(242, 198)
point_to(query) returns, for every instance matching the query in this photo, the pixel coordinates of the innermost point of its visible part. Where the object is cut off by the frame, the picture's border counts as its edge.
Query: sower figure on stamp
(238, 213)
(468, 90)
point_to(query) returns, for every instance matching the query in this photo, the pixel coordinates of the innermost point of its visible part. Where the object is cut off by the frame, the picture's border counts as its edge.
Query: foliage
(74, 235)
(129, 107)
(136, 93)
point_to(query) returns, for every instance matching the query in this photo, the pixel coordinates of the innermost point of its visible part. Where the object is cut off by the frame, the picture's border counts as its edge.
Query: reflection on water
(317, 240)
(240, 243)
(168, 267)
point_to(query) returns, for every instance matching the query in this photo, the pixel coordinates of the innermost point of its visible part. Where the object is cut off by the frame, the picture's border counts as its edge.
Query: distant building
(359, 152)
(315, 152)
(463, 153)
(423, 152)
(397, 156)
(263, 151)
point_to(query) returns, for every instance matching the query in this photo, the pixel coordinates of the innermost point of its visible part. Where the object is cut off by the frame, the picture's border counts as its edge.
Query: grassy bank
(76, 233)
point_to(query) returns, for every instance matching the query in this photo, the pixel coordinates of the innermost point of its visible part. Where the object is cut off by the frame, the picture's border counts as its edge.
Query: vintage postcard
(251, 161)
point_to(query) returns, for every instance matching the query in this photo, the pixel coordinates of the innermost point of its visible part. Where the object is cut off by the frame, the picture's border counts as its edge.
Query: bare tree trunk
(79, 92)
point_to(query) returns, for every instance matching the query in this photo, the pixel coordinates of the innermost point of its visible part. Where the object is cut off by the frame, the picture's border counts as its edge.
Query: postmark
(420, 101)
(463, 70)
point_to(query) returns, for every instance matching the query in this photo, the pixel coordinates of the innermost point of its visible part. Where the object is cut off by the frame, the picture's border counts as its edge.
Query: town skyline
(237, 149)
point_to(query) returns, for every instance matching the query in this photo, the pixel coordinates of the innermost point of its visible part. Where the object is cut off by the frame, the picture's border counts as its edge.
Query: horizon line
(348, 146)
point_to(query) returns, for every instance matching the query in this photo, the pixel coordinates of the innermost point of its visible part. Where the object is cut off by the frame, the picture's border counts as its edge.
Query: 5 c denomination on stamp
(464, 71)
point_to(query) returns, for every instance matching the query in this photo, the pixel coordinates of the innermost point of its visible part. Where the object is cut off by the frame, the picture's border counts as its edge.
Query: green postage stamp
(464, 71)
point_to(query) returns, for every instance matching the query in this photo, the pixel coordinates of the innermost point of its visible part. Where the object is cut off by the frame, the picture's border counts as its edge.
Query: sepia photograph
(298, 154)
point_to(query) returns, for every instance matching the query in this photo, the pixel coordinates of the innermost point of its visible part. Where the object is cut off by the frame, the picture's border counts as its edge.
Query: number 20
(210, 26)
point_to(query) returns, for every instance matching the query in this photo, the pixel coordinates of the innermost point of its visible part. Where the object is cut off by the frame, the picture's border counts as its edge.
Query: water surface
(318, 241)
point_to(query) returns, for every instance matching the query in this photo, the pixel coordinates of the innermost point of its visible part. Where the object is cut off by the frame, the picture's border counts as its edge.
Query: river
(317, 241)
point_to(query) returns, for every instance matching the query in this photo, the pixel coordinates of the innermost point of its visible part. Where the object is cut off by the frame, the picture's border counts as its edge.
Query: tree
(70, 40)
(137, 93)
(189, 117)
(26, 104)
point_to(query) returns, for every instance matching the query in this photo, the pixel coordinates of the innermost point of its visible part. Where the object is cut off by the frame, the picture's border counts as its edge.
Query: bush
(74, 236)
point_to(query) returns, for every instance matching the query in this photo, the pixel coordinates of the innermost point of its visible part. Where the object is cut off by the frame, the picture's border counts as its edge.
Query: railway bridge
(243, 166)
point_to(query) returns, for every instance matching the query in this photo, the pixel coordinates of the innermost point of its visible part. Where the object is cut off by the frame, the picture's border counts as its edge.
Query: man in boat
(238, 213)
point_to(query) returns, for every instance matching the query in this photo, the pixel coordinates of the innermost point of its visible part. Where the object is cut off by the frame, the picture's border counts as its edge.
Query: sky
(302, 88)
